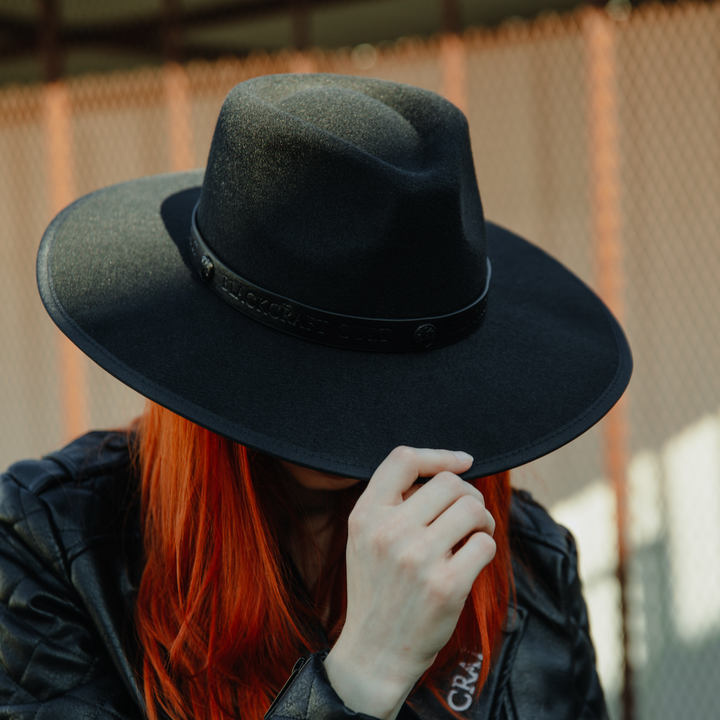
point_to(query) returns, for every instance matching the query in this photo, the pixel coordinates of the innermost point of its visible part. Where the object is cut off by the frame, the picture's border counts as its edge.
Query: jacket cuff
(308, 695)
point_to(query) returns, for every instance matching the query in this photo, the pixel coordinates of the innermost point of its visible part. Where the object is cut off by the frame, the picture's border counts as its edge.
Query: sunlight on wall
(590, 516)
(692, 484)
(645, 499)
(674, 498)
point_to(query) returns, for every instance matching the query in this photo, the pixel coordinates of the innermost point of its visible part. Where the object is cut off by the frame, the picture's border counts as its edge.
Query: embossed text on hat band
(327, 328)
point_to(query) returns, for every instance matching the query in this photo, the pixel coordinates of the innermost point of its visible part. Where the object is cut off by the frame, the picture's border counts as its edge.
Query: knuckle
(472, 490)
(411, 558)
(440, 590)
(354, 526)
(384, 539)
(474, 507)
(404, 453)
(485, 545)
(408, 558)
(449, 478)
(490, 523)
(356, 521)
(491, 546)
(449, 481)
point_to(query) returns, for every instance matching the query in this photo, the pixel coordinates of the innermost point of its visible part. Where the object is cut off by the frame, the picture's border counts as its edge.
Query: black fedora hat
(328, 288)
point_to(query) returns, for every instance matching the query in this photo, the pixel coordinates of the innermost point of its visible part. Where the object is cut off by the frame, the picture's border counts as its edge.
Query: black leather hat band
(327, 328)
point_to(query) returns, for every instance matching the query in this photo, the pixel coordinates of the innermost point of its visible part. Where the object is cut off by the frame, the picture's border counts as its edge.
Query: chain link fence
(596, 136)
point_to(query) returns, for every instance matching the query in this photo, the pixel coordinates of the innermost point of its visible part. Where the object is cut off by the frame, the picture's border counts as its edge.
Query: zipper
(299, 665)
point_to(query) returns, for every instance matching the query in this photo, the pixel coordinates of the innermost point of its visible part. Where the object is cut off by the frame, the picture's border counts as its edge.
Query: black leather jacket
(69, 562)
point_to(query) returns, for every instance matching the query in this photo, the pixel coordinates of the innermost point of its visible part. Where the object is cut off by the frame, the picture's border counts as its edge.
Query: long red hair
(219, 623)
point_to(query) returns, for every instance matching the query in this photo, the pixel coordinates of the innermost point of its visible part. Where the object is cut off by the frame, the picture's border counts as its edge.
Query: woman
(310, 318)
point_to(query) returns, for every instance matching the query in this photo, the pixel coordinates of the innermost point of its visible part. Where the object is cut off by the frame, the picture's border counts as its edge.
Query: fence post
(453, 59)
(302, 62)
(61, 189)
(604, 151)
(179, 117)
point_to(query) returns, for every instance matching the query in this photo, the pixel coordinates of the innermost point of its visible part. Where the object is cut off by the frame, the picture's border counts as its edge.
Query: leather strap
(327, 328)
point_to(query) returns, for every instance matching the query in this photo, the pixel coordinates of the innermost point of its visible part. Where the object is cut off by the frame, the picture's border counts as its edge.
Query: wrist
(370, 685)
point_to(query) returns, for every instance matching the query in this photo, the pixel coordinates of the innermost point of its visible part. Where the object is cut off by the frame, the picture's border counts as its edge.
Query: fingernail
(463, 456)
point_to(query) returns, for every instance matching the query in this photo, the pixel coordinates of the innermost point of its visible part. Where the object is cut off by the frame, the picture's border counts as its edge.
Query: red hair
(218, 623)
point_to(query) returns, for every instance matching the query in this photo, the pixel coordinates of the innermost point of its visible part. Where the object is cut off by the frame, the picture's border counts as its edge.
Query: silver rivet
(206, 268)
(424, 335)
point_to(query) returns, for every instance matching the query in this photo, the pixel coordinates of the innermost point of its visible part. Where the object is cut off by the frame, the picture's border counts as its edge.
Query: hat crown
(351, 195)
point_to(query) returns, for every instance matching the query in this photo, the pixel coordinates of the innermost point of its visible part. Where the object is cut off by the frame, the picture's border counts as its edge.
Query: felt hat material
(356, 197)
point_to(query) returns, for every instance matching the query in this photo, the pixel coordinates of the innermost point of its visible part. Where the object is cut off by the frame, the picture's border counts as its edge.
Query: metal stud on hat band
(327, 328)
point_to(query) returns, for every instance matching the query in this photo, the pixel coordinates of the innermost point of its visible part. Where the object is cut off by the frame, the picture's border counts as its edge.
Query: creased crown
(351, 195)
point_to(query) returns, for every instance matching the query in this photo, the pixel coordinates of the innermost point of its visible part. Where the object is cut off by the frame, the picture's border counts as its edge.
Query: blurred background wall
(595, 134)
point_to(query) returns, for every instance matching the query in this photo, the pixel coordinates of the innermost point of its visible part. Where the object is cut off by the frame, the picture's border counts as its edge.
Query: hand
(406, 587)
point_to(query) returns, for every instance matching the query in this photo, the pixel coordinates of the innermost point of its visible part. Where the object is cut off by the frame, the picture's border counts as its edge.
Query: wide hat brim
(547, 363)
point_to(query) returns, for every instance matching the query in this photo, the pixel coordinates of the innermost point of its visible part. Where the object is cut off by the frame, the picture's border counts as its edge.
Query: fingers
(463, 518)
(409, 493)
(404, 465)
(437, 495)
(471, 558)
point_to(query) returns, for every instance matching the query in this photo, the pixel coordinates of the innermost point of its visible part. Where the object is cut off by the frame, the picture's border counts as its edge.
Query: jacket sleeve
(308, 695)
(53, 662)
